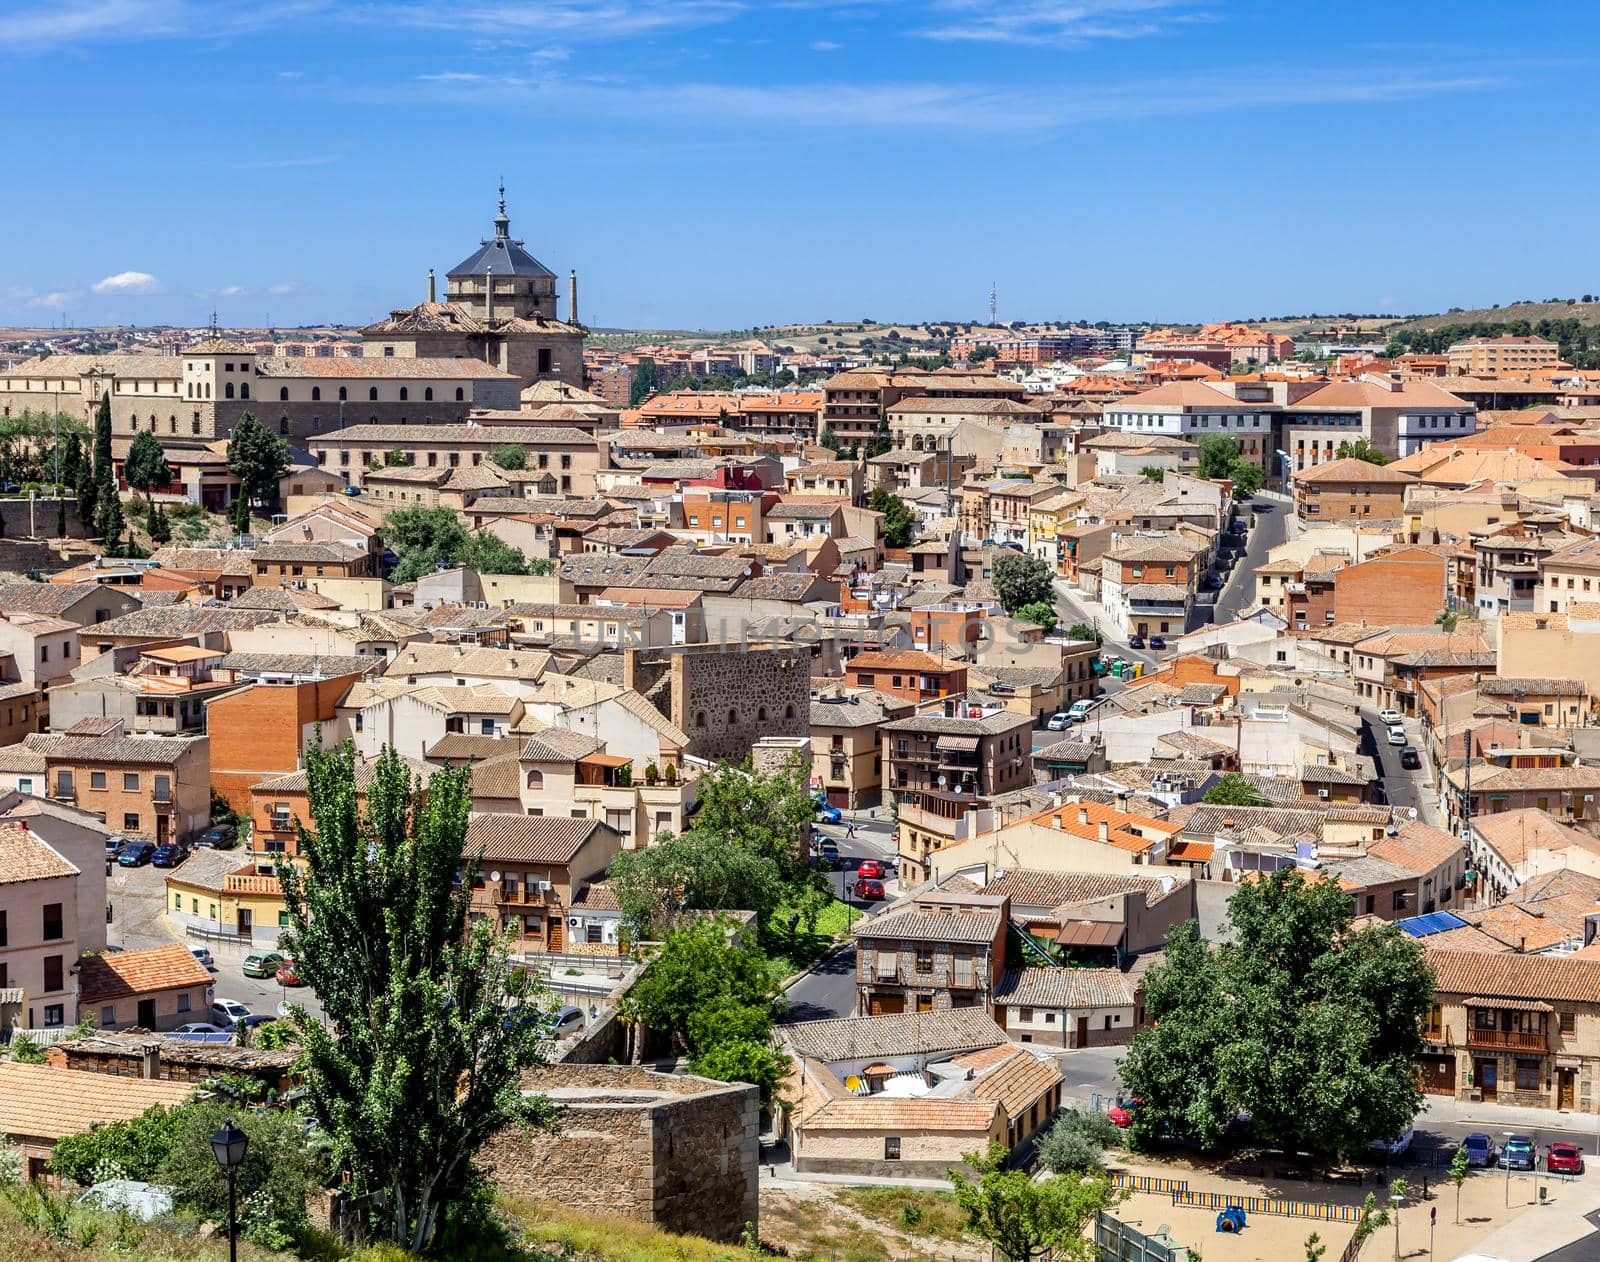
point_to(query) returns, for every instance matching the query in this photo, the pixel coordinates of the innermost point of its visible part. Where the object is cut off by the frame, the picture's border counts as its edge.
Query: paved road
(1405, 789)
(1238, 594)
(828, 990)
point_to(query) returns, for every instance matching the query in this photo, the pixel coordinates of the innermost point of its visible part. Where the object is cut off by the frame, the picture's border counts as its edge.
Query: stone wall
(673, 1150)
(728, 697)
(39, 520)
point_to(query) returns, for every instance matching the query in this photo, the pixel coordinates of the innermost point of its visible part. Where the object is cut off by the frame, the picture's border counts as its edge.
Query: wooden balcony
(1509, 1040)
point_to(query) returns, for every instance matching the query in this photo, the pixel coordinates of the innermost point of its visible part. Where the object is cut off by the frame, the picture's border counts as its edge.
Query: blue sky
(721, 163)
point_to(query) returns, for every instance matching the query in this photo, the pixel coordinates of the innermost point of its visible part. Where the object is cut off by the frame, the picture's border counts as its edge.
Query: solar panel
(1431, 923)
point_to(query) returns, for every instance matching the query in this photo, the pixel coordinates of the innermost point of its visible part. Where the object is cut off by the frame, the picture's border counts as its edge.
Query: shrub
(1076, 1139)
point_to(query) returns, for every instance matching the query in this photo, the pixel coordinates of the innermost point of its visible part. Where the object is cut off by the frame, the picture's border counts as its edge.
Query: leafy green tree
(1360, 449)
(159, 526)
(1232, 789)
(241, 513)
(1448, 620)
(1460, 1164)
(1040, 613)
(645, 382)
(830, 440)
(489, 554)
(1083, 631)
(767, 812)
(1075, 1140)
(1315, 1249)
(102, 439)
(1217, 453)
(145, 466)
(899, 522)
(1311, 1027)
(1154, 473)
(746, 1060)
(258, 458)
(86, 489)
(510, 456)
(415, 1064)
(981, 353)
(423, 538)
(1021, 580)
(1024, 1219)
(71, 458)
(698, 967)
(1247, 478)
(136, 1147)
(109, 522)
(277, 1176)
(694, 872)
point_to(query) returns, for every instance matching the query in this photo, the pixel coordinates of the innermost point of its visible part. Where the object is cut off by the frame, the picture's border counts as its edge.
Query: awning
(1090, 933)
(1511, 1005)
(957, 744)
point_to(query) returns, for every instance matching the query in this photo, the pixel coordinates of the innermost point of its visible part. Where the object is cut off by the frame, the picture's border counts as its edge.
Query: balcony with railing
(1507, 1027)
(1508, 1040)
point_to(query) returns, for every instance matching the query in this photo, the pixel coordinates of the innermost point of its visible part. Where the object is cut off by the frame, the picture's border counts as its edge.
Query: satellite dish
(1411, 812)
(494, 876)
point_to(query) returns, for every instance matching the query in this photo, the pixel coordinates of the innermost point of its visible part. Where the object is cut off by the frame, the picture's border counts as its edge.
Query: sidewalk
(1495, 1118)
(1542, 1229)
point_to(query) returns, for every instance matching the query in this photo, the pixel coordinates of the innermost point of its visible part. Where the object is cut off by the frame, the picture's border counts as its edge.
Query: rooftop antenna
(994, 306)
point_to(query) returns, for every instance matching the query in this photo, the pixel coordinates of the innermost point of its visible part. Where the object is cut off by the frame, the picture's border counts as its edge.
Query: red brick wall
(256, 733)
(1386, 592)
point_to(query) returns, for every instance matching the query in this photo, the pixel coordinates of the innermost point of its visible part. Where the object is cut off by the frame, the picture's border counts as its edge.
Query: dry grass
(612, 1237)
(916, 1210)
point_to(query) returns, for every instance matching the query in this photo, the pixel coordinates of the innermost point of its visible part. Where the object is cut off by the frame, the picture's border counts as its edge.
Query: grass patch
(915, 1210)
(611, 1237)
(791, 952)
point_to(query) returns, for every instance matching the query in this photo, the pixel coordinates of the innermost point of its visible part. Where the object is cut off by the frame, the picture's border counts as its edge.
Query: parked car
(1397, 736)
(1394, 1147)
(114, 847)
(828, 814)
(1390, 718)
(1564, 1158)
(1480, 1149)
(257, 1018)
(1083, 707)
(1136, 641)
(828, 848)
(869, 890)
(203, 956)
(870, 869)
(169, 855)
(568, 1019)
(288, 974)
(262, 963)
(1157, 642)
(1518, 1153)
(135, 854)
(1121, 1113)
(219, 837)
(228, 1012)
(1059, 722)
(1410, 759)
(199, 1027)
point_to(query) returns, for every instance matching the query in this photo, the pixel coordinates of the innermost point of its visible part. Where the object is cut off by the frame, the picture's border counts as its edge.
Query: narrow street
(1271, 524)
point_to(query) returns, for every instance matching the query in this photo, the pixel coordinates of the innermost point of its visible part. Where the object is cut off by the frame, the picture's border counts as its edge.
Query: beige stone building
(847, 745)
(571, 456)
(1502, 356)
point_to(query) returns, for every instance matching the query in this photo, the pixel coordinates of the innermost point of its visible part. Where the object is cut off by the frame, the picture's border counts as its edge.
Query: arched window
(172, 425)
(761, 714)
(459, 394)
(788, 711)
(343, 394)
(283, 394)
(404, 395)
(699, 718)
(316, 393)
(244, 389)
(536, 779)
(372, 394)
(227, 390)
(283, 425)
(733, 717)
(427, 395)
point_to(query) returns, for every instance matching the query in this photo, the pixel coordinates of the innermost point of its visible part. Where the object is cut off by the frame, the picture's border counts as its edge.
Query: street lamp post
(1396, 1200)
(228, 1146)
(1506, 1161)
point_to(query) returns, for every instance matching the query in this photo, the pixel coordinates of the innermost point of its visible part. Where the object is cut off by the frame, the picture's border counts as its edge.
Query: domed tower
(500, 280)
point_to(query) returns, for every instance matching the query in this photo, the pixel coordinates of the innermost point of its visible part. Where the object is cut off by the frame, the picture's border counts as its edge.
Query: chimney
(1105, 831)
(1083, 815)
(150, 1060)
(572, 297)
(488, 294)
(432, 293)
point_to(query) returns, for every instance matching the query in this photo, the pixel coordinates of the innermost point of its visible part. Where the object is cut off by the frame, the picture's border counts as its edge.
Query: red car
(869, 889)
(871, 870)
(1122, 1114)
(1564, 1159)
(287, 974)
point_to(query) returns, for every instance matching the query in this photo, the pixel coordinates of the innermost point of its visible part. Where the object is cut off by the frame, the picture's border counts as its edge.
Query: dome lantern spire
(502, 222)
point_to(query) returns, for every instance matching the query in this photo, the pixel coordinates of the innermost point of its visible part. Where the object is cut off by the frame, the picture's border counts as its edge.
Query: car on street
(1397, 736)
(867, 890)
(1121, 1113)
(1083, 707)
(169, 855)
(114, 847)
(203, 956)
(262, 963)
(1390, 718)
(1410, 759)
(1394, 1147)
(201, 1032)
(1157, 642)
(568, 1019)
(871, 870)
(288, 973)
(1564, 1158)
(218, 837)
(828, 848)
(1136, 641)
(135, 854)
(828, 814)
(1518, 1153)
(1060, 722)
(229, 1012)
(1479, 1148)
(258, 1018)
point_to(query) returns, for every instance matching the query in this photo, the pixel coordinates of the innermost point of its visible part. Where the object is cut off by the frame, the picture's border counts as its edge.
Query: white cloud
(567, 19)
(1051, 22)
(552, 54)
(232, 291)
(127, 283)
(291, 74)
(284, 287)
(825, 46)
(56, 299)
(34, 26)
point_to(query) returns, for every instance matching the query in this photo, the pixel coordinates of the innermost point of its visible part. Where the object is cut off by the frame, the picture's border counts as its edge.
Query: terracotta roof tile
(104, 978)
(47, 1102)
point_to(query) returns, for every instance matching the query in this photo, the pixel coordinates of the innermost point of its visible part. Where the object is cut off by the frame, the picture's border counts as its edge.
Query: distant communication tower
(994, 306)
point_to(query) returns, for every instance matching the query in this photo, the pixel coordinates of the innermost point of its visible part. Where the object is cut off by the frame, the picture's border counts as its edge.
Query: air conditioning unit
(1324, 794)
(572, 921)
(1588, 797)
(544, 887)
